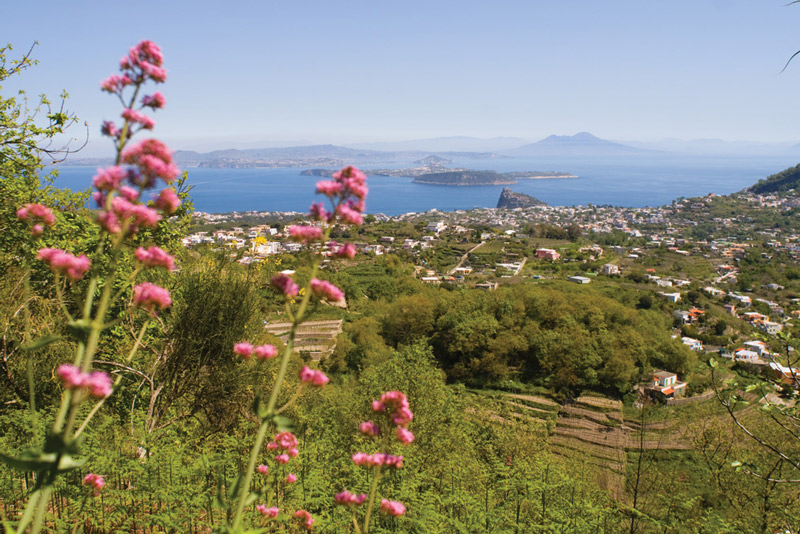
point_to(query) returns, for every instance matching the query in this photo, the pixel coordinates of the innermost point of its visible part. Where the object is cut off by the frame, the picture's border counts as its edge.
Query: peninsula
(468, 177)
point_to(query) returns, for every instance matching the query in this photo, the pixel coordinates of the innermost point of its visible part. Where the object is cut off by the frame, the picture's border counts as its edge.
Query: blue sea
(618, 181)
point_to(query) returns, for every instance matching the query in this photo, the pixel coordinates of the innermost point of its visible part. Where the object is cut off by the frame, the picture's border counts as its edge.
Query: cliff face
(510, 200)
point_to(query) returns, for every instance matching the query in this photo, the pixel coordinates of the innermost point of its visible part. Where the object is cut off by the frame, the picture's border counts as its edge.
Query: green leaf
(41, 342)
(713, 363)
(283, 423)
(34, 460)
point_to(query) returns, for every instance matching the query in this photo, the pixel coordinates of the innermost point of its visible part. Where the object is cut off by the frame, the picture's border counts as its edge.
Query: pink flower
(65, 263)
(285, 285)
(263, 469)
(305, 234)
(243, 349)
(144, 61)
(402, 416)
(318, 213)
(137, 117)
(70, 375)
(314, 377)
(325, 290)
(393, 461)
(265, 352)
(329, 188)
(128, 193)
(349, 216)
(109, 179)
(362, 459)
(293, 452)
(115, 83)
(348, 250)
(346, 498)
(168, 201)
(109, 129)
(155, 257)
(153, 159)
(97, 383)
(369, 428)
(393, 508)
(95, 481)
(155, 101)
(282, 458)
(138, 214)
(267, 512)
(37, 212)
(305, 519)
(404, 435)
(150, 296)
(37, 230)
(285, 440)
(108, 221)
(291, 478)
(396, 403)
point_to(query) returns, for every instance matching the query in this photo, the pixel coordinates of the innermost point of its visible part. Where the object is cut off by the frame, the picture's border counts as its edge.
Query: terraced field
(593, 430)
(315, 338)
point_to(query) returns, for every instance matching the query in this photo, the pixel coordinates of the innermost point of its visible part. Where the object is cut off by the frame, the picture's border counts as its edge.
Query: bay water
(619, 181)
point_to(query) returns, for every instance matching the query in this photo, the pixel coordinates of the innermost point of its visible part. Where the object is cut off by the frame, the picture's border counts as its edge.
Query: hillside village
(710, 262)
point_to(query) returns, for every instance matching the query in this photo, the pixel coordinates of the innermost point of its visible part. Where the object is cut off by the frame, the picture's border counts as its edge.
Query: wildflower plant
(123, 209)
(119, 193)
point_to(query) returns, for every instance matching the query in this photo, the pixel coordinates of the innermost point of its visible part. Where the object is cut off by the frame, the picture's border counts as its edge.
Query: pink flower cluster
(263, 469)
(396, 405)
(261, 352)
(155, 257)
(267, 512)
(347, 250)
(305, 234)
(285, 285)
(287, 442)
(150, 296)
(369, 428)
(394, 508)
(313, 376)
(347, 191)
(39, 214)
(346, 498)
(304, 519)
(65, 263)
(95, 481)
(97, 383)
(379, 458)
(326, 291)
(144, 61)
(153, 160)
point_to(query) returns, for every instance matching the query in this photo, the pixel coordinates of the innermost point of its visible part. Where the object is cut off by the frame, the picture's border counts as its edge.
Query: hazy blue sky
(243, 73)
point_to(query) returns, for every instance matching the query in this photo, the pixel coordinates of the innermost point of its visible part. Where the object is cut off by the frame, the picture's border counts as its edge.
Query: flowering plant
(123, 210)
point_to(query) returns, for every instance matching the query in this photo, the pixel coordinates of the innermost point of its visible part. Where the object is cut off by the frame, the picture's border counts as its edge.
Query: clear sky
(247, 73)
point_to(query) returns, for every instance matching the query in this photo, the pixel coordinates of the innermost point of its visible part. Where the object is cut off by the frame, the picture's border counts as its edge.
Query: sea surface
(617, 181)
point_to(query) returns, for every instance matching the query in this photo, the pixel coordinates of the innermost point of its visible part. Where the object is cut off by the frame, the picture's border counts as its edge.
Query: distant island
(467, 177)
(510, 200)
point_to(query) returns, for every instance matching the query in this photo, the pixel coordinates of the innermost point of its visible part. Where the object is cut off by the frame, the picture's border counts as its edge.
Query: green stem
(116, 382)
(251, 465)
(355, 523)
(372, 491)
(41, 509)
(273, 396)
(28, 515)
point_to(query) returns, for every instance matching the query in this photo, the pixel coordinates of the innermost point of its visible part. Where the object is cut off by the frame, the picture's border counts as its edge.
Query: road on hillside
(465, 256)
